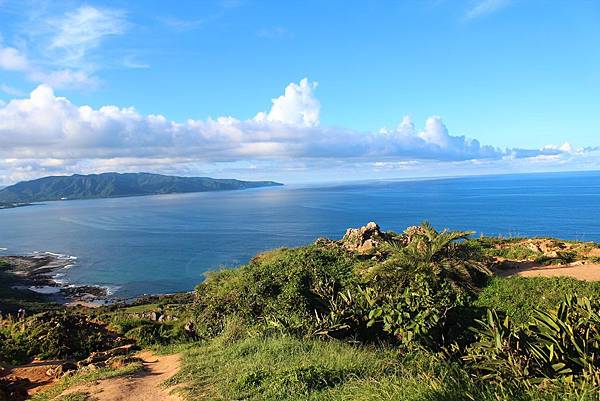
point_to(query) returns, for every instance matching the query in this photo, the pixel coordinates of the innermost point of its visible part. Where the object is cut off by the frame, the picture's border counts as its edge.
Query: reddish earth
(35, 372)
(145, 385)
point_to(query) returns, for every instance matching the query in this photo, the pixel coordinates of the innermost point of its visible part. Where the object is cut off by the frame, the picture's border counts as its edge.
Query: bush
(50, 335)
(417, 313)
(560, 344)
(283, 289)
(148, 333)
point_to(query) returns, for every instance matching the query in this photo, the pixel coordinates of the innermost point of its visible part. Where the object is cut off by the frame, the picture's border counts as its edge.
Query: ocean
(165, 243)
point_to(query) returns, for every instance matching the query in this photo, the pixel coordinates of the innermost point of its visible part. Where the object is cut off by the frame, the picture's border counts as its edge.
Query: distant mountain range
(110, 185)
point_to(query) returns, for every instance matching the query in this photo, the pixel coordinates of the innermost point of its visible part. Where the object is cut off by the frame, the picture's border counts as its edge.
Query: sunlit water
(164, 243)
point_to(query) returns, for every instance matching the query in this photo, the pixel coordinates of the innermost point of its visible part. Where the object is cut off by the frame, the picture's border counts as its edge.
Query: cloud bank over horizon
(46, 134)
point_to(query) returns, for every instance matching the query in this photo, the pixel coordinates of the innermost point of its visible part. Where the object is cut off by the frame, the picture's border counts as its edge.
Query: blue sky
(391, 87)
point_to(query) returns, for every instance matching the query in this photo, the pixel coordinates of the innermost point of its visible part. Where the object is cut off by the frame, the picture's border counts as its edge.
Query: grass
(141, 308)
(520, 296)
(67, 382)
(261, 316)
(78, 396)
(292, 369)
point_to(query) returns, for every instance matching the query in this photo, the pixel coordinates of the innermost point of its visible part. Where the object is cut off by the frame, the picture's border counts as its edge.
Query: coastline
(39, 273)
(4, 205)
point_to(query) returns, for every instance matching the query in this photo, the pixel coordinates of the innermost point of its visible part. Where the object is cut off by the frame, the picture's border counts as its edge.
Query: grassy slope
(258, 367)
(520, 296)
(286, 368)
(252, 365)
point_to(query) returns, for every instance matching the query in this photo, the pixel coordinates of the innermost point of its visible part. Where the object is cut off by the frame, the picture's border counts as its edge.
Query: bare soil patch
(587, 272)
(145, 385)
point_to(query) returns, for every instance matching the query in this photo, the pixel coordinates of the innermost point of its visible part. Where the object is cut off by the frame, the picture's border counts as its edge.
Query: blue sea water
(165, 243)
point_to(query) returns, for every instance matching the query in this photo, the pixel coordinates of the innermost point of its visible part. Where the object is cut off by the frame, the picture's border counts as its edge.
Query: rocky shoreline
(5, 205)
(37, 273)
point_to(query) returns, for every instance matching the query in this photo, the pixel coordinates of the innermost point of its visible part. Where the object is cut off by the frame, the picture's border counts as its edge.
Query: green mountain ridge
(108, 185)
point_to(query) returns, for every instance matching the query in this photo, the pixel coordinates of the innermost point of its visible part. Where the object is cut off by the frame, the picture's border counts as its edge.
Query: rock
(322, 241)
(364, 239)
(60, 370)
(13, 388)
(100, 358)
(411, 232)
(118, 362)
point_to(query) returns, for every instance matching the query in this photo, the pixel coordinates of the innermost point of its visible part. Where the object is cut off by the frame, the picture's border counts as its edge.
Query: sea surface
(165, 243)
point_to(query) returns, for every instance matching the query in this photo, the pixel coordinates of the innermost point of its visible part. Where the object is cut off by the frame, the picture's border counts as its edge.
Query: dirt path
(145, 385)
(35, 372)
(588, 272)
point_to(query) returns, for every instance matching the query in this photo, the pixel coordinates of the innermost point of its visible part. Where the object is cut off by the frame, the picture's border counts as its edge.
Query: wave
(60, 256)
(110, 289)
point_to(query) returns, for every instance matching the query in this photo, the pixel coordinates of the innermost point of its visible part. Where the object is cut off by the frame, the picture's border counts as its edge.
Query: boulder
(100, 358)
(118, 362)
(59, 370)
(364, 240)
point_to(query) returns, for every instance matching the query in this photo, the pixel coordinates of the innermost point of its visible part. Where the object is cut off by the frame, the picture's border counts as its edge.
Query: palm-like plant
(429, 251)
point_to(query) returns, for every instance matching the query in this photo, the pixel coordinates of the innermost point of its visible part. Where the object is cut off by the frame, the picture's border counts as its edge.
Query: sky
(299, 91)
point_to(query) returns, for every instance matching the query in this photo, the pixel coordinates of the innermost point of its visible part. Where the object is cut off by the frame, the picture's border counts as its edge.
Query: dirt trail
(36, 373)
(145, 385)
(588, 272)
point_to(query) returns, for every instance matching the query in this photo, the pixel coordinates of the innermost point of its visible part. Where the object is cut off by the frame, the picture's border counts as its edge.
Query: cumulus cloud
(297, 106)
(46, 132)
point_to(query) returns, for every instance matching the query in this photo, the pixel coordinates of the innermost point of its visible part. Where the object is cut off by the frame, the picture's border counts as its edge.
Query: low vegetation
(52, 335)
(12, 299)
(412, 316)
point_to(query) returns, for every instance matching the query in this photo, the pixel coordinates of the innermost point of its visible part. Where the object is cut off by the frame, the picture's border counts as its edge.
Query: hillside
(109, 185)
(412, 316)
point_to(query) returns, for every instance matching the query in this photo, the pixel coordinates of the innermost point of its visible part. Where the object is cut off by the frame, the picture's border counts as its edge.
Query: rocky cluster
(114, 358)
(364, 240)
(155, 316)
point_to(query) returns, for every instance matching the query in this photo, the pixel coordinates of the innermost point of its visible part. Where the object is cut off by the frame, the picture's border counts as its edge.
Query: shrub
(415, 314)
(147, 333)
(53, 335)
(282, 289)
(560, 344)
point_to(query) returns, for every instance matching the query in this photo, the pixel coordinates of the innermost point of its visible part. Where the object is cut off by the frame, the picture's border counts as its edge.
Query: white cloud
(12, 59)
(47, 133)
(297, 106)
(79, 31)
(66, 78)
(479, 8)
(60, 47)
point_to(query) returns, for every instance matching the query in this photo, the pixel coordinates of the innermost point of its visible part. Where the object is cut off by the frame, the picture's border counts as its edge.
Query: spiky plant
(440, 253)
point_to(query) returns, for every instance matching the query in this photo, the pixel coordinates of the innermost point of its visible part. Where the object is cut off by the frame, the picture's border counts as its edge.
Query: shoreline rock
(35, 273)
